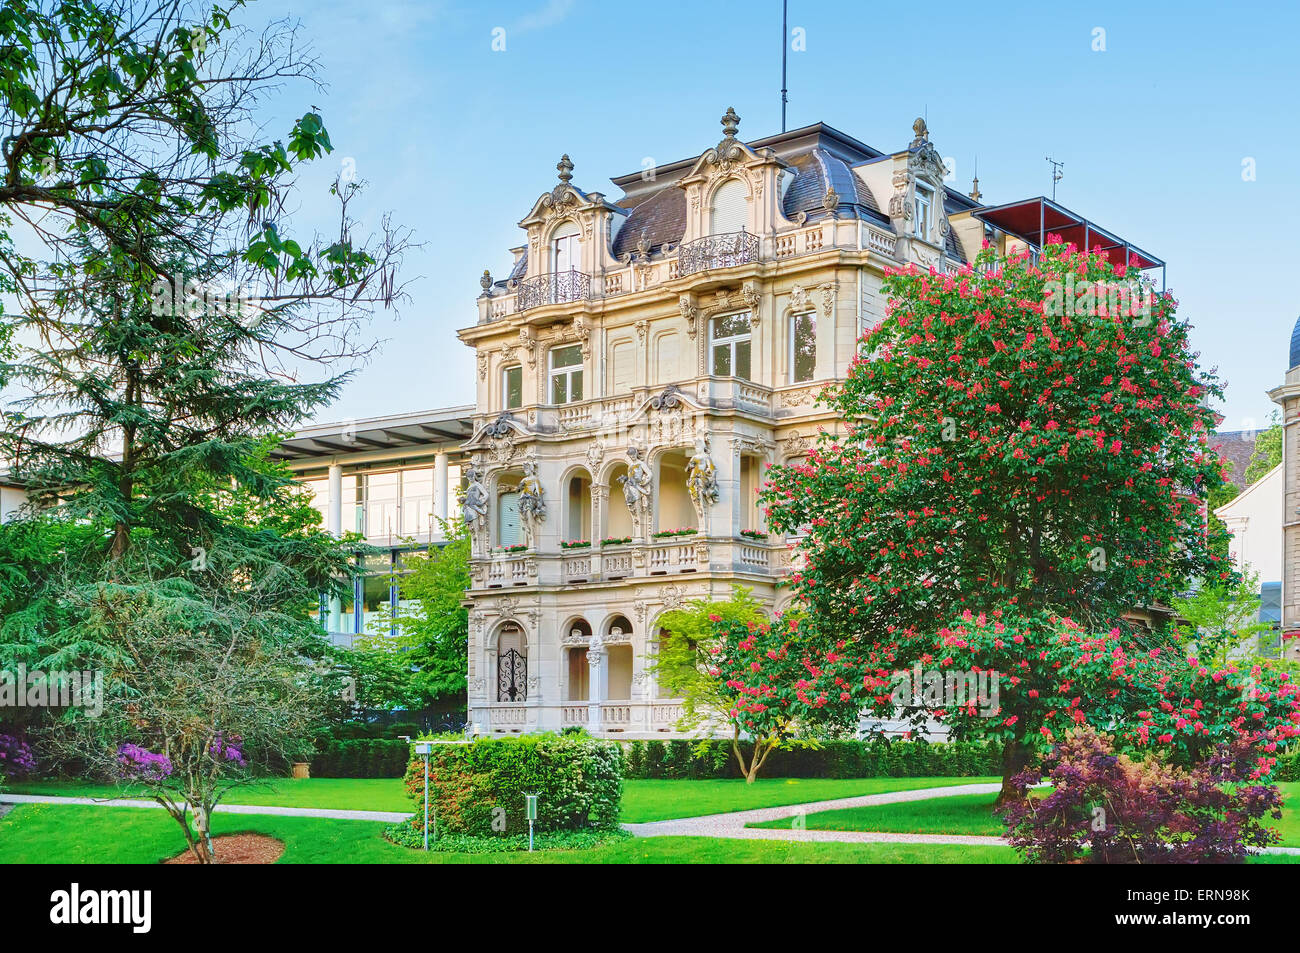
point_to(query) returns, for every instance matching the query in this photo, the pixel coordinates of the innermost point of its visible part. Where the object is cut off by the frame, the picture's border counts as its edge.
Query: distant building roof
(1295, 345)
(1237, 447)
(420, 429)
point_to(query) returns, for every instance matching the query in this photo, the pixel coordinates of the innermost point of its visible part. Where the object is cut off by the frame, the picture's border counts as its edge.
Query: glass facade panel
(417, 501)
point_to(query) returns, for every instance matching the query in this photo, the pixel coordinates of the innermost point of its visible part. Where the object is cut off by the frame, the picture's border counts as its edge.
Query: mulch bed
(238, 849)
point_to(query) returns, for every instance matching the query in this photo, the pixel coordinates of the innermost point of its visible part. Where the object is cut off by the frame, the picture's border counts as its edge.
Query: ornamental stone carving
(702, 477)
(532, 505)
(474, 507)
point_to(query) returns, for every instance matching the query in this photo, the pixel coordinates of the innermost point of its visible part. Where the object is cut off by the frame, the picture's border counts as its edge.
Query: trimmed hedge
(898, 758)
(361, 758)
(478, 788)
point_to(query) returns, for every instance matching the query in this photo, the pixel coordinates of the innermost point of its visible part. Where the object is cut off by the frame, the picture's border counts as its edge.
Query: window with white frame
(566, 374)
(803, 346)
(567, 249)
(924, 205)
(731, 346)
(512, 387)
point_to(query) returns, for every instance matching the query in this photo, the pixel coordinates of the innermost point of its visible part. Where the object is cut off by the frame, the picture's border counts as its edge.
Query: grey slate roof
(1237, 447)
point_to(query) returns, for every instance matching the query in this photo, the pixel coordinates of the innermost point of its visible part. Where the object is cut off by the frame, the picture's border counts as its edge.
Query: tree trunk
(1015, 758)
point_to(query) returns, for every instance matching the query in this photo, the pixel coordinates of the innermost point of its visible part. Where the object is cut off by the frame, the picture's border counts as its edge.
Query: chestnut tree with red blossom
(1016, 437)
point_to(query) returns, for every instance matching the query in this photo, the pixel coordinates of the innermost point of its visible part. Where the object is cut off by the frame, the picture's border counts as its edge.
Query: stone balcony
(645, 559)
(705, 258)
(628, 718)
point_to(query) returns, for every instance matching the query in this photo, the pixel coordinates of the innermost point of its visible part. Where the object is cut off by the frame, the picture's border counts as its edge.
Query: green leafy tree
(1016, 436)
(425, 662)
(137, 123)
(1268, 452)
(730, 668)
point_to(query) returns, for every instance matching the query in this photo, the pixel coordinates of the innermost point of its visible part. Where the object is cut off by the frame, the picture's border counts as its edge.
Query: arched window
(730, 209)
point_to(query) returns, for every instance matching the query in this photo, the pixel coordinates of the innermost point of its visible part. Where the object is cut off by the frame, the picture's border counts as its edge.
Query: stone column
(440, 503)
(596, 684)
(334, 526)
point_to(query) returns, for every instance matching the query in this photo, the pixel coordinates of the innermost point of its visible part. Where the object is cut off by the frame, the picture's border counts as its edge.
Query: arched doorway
(512, 664)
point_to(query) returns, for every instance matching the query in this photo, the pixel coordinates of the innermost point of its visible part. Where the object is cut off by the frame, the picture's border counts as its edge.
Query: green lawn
(642, 800)
(42, 834)
(663, 800)
(349, 794)
(973, 814)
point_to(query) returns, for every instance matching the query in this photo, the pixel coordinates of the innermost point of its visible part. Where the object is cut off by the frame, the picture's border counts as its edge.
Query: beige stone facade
(641, 366)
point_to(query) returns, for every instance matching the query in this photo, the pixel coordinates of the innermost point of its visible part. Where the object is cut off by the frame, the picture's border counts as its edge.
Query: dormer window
(924, 204)
(731, 346)
(730, 208)
(567, 250)
(566, 374)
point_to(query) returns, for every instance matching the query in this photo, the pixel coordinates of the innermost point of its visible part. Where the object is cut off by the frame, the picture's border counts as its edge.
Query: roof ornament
(565, 168)
(730, 123)
(486, 281)
(921, 133)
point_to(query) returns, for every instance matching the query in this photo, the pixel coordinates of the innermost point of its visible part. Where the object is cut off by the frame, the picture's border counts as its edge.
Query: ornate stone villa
(642, 363)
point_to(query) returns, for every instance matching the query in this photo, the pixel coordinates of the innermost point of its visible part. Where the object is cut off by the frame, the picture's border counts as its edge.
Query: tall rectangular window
(512, 387)
(731, 346)
(566, 374)
(803, 346)
(924, 203)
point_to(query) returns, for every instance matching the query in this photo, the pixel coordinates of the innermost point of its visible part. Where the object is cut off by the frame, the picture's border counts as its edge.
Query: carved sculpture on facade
(702, 477)
(636, 489)
(532, 504)
(474, 507)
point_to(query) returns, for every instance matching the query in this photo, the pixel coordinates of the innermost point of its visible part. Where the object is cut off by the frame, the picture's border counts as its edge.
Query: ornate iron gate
(512, 677)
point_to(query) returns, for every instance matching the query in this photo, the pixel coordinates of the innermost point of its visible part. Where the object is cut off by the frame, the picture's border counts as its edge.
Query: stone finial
(565, 168)
(919, 129)
(975, 192)
(730, 123)
(486, 281)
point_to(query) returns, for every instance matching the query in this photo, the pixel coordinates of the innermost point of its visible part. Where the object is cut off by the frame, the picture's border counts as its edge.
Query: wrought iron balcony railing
(717, 251)
(553, 288)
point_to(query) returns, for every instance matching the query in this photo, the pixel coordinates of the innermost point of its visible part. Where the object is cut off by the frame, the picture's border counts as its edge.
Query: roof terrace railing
(717, 251)
(554, 288)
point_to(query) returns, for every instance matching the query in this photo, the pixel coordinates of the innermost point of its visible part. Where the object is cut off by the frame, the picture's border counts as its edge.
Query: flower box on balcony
(575, 544)
(517, 548)
(666, 533)
(753, 534)
(615, 540)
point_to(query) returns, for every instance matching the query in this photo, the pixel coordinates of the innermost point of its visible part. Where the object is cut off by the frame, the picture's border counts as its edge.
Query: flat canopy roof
(1034, 219)
(421, 429)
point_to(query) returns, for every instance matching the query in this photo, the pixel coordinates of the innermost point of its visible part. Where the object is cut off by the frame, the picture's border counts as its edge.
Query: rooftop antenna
(1056, 174)
(785, 41)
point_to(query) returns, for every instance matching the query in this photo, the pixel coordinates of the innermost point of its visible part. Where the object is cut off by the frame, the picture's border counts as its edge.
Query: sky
(1175, 123)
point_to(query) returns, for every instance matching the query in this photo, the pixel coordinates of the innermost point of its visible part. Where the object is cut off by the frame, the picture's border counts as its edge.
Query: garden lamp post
(530, 807)
(424, 749)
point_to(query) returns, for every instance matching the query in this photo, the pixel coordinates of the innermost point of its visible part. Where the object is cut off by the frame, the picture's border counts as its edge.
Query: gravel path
(733, 823)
